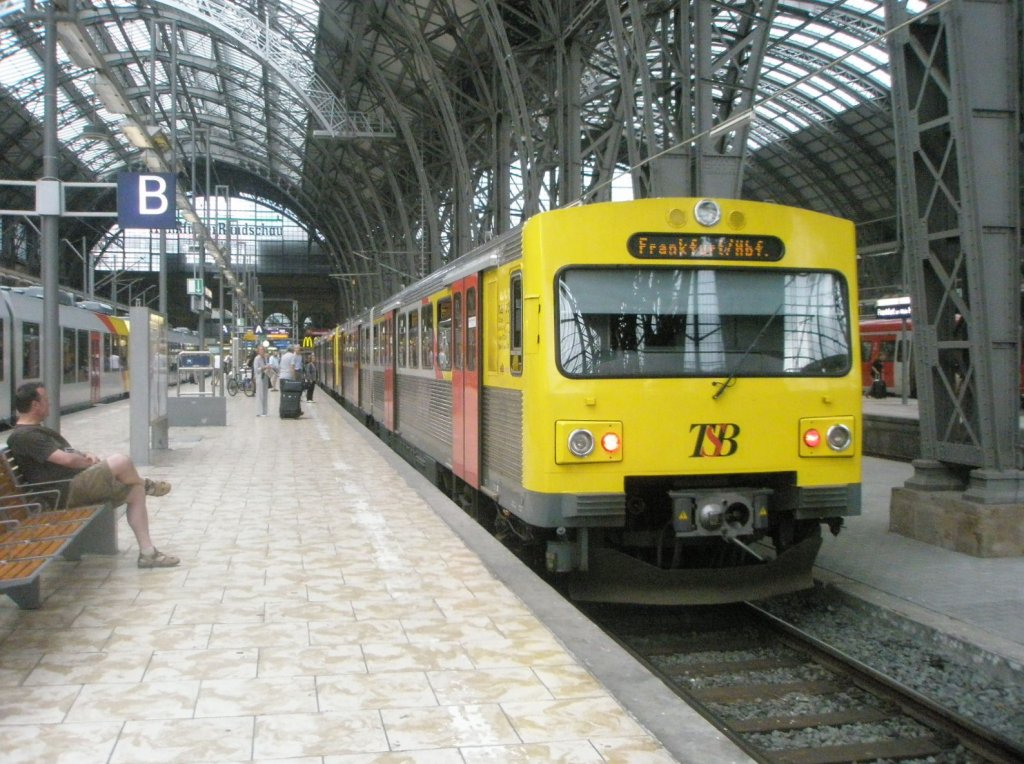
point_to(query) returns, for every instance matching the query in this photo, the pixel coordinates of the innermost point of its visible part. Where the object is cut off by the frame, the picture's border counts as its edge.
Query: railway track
(787, 698)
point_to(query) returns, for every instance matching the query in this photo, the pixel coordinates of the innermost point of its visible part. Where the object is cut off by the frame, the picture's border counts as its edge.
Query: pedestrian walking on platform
(261, 378)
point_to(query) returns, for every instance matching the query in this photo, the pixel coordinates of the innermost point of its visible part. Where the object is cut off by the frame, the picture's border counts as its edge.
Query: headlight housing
(707, 212)
(827, 436)
(839, 437)
(581, 443)
(588, 442)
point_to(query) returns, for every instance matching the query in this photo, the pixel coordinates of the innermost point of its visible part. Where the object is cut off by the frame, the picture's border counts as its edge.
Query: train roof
(500, 249)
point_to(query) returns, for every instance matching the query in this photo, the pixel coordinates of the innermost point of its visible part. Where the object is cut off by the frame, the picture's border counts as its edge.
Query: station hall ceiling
(399, 132)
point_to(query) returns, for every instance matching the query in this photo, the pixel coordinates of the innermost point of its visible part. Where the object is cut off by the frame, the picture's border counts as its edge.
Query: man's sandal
(157, 559)
(157, 487)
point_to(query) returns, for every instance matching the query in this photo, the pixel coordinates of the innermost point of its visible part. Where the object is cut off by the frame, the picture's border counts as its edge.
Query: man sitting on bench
(46, 457)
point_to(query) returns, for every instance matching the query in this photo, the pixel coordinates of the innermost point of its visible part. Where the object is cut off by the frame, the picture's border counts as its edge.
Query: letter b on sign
(146, 200)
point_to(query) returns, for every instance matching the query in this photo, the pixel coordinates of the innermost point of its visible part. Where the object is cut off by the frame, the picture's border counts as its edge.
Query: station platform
(330, 607)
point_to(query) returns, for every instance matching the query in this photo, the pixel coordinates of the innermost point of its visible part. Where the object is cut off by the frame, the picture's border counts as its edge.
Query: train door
(466, 380)
(387, 357)
(365, 393)
(95, 366)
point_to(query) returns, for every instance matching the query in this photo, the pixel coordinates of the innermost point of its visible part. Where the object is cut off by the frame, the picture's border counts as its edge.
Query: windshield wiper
(731, 379)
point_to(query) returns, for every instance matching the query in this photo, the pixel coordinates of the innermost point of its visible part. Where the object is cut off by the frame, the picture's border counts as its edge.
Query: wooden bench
(32, 535)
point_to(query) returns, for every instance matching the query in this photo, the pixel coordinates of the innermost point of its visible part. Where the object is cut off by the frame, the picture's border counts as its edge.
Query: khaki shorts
(96, 485)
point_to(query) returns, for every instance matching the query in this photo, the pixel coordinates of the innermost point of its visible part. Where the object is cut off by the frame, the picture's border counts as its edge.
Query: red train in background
(886, 353)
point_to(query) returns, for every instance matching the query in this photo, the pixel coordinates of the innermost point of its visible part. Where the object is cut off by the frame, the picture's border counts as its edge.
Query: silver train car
(94, 353)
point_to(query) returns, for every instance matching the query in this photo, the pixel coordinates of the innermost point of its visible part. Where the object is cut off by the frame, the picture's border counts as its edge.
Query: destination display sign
(691, 246)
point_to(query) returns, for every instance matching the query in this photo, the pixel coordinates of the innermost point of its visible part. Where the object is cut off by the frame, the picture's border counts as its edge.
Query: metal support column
(957, 117)
(570, 129)
(49, 201)
(725, 87)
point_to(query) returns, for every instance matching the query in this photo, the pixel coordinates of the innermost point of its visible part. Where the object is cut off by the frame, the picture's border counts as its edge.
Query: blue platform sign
(146, 200)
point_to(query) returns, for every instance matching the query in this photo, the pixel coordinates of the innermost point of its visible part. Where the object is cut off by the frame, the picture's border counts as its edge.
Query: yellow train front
(661, 395)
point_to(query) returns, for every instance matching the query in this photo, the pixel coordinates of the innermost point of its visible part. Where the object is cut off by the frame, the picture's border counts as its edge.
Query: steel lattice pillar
(956, 96)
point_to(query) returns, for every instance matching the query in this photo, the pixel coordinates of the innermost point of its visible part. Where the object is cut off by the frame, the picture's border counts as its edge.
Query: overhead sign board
(893, 307)
(146, 200)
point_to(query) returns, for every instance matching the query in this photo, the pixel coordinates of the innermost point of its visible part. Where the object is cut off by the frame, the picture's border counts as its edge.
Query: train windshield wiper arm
(731, 379)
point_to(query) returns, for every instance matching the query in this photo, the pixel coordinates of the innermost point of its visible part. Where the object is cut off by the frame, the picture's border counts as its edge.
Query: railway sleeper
(864, 715)
(851, 752)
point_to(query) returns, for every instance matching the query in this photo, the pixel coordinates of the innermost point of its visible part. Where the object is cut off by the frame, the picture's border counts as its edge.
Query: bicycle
(246, 384)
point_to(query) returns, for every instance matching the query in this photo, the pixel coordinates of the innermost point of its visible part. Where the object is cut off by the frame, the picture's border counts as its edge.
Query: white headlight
(707, 212)
(581, 443)
(839, 437)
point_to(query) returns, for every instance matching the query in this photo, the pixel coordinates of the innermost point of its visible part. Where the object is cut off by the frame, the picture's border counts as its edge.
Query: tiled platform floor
(322, 613)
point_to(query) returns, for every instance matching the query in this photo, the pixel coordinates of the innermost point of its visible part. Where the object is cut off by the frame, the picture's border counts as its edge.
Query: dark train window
(414, 338)
(29, 351)
(516, 321)
(444, 334)
(69, 346)
(427, 336)
(2, 364)
(83, 356)
(471, 329)
(457, 317)
(402, 339)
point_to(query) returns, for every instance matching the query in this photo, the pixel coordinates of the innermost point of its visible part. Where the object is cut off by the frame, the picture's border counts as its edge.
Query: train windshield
(682, 322)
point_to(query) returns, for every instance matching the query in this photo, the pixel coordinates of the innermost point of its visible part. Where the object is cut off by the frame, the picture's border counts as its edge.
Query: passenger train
(659, 400)
(94, 352)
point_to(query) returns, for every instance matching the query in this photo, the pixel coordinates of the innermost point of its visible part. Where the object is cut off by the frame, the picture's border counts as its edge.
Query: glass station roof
(223, 87)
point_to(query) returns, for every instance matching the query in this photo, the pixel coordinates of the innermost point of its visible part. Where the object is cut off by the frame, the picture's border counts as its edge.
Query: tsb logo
(715, 439)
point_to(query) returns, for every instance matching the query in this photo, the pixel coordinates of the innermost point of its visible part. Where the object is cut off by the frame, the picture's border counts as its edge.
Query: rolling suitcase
(291, 393)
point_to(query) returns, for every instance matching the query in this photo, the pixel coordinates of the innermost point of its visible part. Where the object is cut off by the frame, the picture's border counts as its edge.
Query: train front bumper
(617, 577)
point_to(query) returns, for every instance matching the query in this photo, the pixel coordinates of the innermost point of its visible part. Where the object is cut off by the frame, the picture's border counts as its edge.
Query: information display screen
(688, 246)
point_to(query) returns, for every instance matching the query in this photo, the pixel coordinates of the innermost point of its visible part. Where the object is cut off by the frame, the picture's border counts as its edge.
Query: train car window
(457, 330)
(29, 350)
(414, 338)
(427, 336)
(665, 322)
(388, 342)
(444, 334)
(83, 356)
(471, 329)
(69, 349)
(403, 338)
(118, 353)
(108, 353)
(516, 321)
(2, 364)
